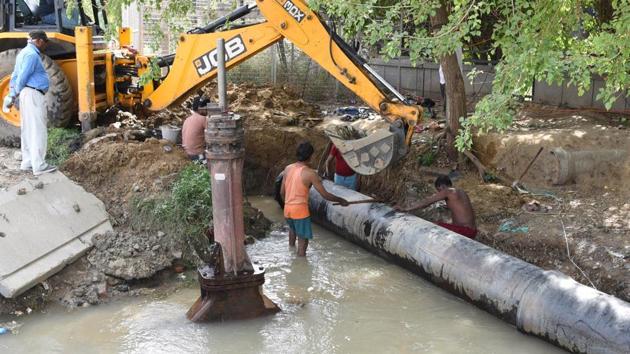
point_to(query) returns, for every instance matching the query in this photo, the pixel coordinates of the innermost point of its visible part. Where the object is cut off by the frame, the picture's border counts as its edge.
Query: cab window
(41, 13)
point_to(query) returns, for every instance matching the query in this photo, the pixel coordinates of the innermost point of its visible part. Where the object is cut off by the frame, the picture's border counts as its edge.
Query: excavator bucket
(372, 154)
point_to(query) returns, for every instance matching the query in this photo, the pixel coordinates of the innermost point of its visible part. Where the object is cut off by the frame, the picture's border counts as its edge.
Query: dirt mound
(265, 104)
(268, 102)
(493, 202)
(175, 116)
(116, 171)
(589, 215)
(510, 152)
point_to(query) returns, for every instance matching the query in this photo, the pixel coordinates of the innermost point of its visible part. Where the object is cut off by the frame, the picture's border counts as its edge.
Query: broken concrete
(126, 256)
(43, 231)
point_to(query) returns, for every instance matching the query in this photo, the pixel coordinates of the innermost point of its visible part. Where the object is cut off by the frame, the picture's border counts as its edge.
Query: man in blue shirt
(29, 84)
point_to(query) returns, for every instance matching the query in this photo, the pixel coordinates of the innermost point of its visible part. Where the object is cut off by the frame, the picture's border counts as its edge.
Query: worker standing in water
(193, 130)
(28, 87)
(297, 181)
(462, 213)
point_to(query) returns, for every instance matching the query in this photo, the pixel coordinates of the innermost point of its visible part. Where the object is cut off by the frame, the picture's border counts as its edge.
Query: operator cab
(51, 16)
(23, 16)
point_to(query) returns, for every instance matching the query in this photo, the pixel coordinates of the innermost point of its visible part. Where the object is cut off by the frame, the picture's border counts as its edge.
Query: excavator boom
(195, 62)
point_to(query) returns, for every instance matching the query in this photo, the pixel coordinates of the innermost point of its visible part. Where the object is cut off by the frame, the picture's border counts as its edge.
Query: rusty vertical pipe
(224, 140)
(225, 151)
(230, 287)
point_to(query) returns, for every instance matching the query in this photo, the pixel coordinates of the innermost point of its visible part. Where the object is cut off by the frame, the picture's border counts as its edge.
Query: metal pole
(274, 65)
(400, 60)
(424, 71)
(380, 79)
(221, 75)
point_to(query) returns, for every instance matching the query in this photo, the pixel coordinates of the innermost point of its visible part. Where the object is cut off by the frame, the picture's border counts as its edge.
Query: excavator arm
(195, 62)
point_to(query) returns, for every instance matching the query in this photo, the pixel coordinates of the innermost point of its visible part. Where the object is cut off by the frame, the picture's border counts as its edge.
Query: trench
(340, 299)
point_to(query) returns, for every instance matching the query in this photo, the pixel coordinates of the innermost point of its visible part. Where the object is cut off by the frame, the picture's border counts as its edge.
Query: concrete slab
(45, 229)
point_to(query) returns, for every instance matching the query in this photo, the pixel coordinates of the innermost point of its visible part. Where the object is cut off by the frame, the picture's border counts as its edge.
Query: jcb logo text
(208, 62)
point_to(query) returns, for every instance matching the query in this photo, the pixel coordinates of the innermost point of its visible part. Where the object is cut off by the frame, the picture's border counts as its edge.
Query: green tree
(175, 15)
(557, 41)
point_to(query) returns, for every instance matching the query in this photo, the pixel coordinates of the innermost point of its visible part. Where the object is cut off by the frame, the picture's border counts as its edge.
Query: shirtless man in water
(462, 213)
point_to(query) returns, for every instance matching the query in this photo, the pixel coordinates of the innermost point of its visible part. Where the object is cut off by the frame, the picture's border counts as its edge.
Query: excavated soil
(124, 255)
(123, 262)
(122, 172)
(118, 171)
(551, 128)
(591, 215)
(270, 105)
(269, 149)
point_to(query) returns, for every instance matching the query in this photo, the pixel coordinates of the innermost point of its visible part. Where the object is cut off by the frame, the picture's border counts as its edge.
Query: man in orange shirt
(297, 181)
(193, 131)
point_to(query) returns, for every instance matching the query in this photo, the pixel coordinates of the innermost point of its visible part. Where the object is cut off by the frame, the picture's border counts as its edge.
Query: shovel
(517, 184)
(364, 201)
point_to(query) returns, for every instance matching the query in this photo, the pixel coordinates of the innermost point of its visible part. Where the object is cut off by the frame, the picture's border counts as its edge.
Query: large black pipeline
(547, 304)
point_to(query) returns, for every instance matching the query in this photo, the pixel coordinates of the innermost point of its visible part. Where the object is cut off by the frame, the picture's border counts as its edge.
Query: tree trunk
(455, 89)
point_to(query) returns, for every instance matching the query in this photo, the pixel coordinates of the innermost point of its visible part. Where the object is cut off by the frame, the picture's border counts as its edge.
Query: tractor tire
(61, 107)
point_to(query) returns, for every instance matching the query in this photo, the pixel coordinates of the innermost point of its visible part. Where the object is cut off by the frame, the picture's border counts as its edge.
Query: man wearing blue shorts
(297, 181)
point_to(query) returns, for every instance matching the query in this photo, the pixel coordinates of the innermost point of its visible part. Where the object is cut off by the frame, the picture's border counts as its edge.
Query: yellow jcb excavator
(83, 70)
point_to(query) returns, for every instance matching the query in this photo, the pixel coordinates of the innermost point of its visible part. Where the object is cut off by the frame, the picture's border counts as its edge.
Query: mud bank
(270, 148)
(134, 259)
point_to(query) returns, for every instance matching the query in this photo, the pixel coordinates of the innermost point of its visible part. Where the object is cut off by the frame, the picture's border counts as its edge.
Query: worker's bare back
(462, 212)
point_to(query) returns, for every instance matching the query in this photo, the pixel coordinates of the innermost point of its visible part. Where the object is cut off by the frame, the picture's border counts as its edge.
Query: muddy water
(341, 299)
